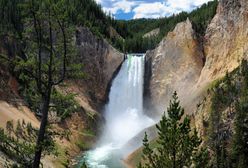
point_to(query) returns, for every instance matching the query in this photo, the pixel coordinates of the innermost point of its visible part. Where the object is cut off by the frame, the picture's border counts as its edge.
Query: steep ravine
(175, 64)
(181, 63)
(225, 40)
(101, 61)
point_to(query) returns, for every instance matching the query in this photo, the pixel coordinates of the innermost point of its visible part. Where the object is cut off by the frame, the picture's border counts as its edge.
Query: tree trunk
(41, 135)
(174, 159)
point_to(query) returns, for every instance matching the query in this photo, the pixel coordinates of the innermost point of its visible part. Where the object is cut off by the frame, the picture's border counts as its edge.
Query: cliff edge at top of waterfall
(203, 60)
(187, 63)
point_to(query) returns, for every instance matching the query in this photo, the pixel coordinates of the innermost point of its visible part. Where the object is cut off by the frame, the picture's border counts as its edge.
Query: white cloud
(114, 6)
(166, 8)
(150, 8)
(184, 5)
(99, 1)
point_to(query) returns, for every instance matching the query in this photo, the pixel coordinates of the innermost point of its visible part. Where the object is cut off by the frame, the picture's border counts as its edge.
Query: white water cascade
(124, 115)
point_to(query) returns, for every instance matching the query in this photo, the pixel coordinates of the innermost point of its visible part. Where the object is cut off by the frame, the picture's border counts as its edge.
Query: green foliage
(19, 130)
(132, 31)
(82, 145)
(88, 13)
(178, 144)
(202, 16)
(17, 149)
(229, 95)
(19, 142)
(34, 40)
(223, 96)
(29, 92)
(83, 165)
(10, 127)
(45, 60)
(10, 13)
(240, 138)
(64, 105)
(201, 158)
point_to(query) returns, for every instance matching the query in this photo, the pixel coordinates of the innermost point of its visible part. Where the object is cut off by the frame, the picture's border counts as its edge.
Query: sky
(133, 9)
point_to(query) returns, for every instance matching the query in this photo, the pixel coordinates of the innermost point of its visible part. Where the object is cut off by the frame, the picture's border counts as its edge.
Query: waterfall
(124, 115)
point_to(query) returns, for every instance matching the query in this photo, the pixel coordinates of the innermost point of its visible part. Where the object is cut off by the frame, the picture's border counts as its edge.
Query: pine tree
(178, 143)
(9, 127)
(240, 137)
(48, 56)
(19, 129)
(240, 142)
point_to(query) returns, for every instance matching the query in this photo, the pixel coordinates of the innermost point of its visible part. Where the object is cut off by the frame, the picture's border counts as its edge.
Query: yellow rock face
(226, 40)
(177, 63)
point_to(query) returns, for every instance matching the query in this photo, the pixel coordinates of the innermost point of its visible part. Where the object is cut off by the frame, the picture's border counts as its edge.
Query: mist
(124, 116)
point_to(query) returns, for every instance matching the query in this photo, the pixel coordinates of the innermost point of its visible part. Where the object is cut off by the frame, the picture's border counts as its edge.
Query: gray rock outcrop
(175, 65)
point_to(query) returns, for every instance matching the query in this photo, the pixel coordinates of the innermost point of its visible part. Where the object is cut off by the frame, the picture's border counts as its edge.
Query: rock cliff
(175, 65)
(226, 39)
(184, 64)
(152, 33)
(191, 66)
(100, 62)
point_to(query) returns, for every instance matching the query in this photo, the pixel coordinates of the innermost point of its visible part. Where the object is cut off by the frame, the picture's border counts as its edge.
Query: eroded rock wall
(100, 63)
(181, 63)
(175, 65)
(225, 40)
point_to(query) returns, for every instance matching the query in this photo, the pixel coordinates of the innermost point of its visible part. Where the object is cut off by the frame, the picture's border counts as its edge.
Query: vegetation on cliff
(127, 36)
(135, 29)
(224, 131)
(45, 58)
(18, 142)
(178, 144)
(227, 140)
(43, 31)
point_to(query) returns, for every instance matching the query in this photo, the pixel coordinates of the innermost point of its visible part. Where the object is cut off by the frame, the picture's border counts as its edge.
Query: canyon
(183, 61)
(187, 64)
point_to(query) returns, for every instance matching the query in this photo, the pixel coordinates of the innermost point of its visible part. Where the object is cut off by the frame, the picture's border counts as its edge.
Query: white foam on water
(124, 115)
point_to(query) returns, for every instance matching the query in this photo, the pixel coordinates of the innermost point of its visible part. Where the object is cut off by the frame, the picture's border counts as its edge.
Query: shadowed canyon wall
(100, 62)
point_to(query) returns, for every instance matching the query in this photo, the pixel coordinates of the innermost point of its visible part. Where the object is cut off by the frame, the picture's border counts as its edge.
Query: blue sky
(133, 9)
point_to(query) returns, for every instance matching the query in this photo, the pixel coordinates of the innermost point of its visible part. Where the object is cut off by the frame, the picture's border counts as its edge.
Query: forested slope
(25, 36)
(134, 30)
(88, 13)
(56, 31)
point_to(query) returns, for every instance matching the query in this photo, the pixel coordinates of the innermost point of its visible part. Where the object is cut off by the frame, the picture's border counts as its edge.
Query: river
(124, 116)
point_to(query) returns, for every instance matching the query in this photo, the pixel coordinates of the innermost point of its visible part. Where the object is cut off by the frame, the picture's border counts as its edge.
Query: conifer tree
(177, 144)
(240, 143)
(48, 61)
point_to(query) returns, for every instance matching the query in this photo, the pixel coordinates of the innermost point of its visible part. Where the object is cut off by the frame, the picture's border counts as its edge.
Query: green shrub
(64, 105)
